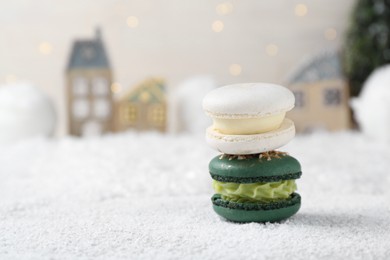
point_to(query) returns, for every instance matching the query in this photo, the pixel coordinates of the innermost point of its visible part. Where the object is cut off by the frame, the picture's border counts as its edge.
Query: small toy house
(143, 108)
(89, 97)
(321, 94)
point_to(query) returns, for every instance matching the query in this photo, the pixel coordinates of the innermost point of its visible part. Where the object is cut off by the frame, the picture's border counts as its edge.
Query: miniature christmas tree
(368, 41)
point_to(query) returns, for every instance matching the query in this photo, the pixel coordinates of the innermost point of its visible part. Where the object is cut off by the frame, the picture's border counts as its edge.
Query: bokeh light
(116, 87)
(10, 79)
(300, 10)
(217, 26)
(224, 8)
(45, 48)
(272, 49)
(132, 21)
(235, 69)
(330, 34)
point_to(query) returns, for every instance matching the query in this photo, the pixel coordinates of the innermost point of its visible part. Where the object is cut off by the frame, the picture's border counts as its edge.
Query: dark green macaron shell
(254, 169)
(261, 168)
(257, 212)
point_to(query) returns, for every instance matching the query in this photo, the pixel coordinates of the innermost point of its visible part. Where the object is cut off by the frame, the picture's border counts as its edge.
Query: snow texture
(25, 112)
(147, 196)
(372, 107)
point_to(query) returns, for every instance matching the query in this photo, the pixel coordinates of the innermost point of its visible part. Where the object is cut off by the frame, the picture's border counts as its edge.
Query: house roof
(88, 54)
(154, 86)
(322, 66)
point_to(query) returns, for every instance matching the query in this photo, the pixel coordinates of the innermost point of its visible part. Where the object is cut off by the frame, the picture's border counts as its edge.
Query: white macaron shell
(251, 144)
(249, 100)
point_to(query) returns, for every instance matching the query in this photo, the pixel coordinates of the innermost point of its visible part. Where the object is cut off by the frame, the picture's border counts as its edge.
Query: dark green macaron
(257, 212)
(251, 169)
(268, 168)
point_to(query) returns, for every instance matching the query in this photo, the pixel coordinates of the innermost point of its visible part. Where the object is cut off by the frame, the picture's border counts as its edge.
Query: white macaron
(249, 118)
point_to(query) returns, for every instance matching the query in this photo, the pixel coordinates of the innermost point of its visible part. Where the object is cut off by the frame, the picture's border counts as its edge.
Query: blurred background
(93, 67)
(132, 74)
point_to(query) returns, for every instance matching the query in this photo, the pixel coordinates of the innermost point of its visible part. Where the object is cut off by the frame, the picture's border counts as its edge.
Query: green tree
(368, 41)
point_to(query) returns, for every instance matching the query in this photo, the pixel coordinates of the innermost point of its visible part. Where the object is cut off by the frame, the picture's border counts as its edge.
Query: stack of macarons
(253, 182)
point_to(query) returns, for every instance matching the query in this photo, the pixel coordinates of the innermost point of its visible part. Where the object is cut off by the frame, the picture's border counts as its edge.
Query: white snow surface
(147, 196)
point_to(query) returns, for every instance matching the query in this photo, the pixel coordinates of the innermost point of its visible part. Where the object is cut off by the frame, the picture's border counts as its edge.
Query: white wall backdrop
(233, 41)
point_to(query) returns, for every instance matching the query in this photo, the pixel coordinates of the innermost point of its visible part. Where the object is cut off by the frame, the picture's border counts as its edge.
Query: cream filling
(255, 192)
(248, 126)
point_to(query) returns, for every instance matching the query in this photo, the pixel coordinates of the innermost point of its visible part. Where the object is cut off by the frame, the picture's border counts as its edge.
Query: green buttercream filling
(255, 192)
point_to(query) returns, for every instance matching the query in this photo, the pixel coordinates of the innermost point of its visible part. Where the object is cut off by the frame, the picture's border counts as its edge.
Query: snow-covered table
(148, 197)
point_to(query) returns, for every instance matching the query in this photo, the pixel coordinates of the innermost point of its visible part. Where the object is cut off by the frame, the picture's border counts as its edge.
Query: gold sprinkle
(272, 154)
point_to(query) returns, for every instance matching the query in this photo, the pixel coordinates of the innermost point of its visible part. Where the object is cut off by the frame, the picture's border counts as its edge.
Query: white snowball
(372, 107)
(25, 112)
(188, 97)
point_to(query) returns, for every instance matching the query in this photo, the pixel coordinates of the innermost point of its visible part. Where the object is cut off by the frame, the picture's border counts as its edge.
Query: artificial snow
(25, 112)
(372, 107)
(147, 196)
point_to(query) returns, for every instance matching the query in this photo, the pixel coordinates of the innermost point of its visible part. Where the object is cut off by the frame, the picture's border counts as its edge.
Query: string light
(217, 26)
(45, 48)
(116, 87)
(330, 34)
(272, 49)
(235, 69)
(132, 21)
(224, 8)
(300, 10)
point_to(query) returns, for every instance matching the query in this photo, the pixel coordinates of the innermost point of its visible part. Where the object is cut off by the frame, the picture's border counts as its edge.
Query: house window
(157, 115)
(299, 99)
(129, 114)
(80, 108)
(332, 97)
(80, 86)
(100, 86)
(101, 108)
